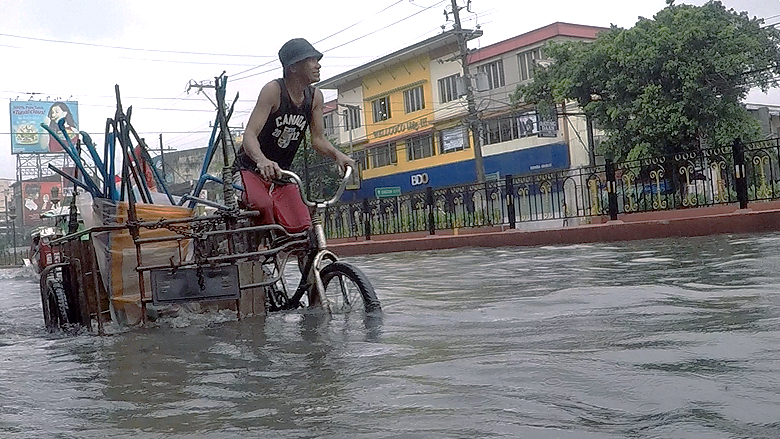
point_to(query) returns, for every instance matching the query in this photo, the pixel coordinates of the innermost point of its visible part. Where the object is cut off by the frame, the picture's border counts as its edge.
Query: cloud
(757, 8)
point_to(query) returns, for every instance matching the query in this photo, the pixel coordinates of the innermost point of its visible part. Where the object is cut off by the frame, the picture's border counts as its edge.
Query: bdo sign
(418, 179)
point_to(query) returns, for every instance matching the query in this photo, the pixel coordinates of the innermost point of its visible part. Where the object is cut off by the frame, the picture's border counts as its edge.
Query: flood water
(649, 339)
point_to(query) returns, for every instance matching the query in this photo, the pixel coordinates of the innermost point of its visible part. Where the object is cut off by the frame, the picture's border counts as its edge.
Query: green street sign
(387, 192)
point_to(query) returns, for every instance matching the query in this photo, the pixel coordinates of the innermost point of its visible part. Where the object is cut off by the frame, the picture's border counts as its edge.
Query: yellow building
(403, 115)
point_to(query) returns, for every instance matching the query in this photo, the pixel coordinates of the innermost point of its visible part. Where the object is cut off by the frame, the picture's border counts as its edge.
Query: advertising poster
(527, 124)
(37, 199)
(27, 135)
(453, 139)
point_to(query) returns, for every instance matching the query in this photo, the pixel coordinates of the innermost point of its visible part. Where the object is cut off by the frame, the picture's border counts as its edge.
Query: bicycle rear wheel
(347, 289)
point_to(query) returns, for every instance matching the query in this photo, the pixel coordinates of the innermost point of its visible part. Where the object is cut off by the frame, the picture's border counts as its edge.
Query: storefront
(540, 159)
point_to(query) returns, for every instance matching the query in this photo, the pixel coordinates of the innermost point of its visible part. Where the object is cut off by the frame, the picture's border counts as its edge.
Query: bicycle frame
(311, 242)
(318, 246)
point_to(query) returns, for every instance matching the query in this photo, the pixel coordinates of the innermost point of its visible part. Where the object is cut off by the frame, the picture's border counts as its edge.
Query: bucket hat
(297, 49)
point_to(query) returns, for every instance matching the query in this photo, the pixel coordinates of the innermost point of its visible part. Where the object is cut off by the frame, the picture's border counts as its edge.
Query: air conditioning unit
(461, 86)
(482, 81)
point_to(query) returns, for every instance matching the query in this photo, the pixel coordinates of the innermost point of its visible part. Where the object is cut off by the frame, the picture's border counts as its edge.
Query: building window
(453, 139)
(353, 119)
(413, 99)
(381, 109)
(494, 72)
(448, 88)
(511, 128)
(492, 131)
(384, 155)
(419, 147)
(526, 62)
(329, 124)
(361, 159)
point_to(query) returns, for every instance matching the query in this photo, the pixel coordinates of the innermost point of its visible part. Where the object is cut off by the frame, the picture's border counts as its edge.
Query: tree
(320, 175)
(667, 84)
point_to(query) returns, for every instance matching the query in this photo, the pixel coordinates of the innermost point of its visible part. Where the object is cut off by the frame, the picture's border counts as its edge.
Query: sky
(152, 49)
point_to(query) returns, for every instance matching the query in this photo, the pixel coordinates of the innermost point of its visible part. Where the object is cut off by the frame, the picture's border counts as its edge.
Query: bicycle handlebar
(293, 176)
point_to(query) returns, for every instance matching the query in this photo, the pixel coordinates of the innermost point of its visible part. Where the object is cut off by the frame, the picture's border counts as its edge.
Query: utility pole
(162, 158)
(472, 118)
(591, 141)
(200, 86)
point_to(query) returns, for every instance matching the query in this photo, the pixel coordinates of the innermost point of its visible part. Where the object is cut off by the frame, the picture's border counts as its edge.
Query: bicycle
(325, 280)
(133, 253)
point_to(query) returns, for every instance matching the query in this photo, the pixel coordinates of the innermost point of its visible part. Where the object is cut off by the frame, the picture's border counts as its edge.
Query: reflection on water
(651, 339)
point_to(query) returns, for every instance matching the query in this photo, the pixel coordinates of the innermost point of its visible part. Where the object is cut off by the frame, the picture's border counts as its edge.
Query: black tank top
(284, 130)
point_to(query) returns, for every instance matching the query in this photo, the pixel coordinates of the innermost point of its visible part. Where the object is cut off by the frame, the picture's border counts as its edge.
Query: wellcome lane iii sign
(27, 135)
(411, 125)
(387, 192)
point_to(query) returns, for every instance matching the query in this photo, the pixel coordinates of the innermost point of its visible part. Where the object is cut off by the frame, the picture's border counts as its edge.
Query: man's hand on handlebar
(343, 161)
(269, 169)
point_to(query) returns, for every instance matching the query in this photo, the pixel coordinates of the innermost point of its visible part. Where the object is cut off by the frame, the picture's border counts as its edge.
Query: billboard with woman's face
(27, 135)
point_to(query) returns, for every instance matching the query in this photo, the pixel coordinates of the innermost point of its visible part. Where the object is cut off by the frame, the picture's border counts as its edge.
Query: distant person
(276, 127)
(57, 111)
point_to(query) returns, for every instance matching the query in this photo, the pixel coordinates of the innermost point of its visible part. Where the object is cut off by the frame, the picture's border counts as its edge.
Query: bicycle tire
(346, 287)
(57, 308)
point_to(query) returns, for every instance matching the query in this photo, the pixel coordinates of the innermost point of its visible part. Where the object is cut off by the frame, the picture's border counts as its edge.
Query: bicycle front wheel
(347, 289)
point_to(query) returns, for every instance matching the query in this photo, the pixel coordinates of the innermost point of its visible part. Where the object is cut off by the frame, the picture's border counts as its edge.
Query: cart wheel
(276, 299)
(48, 318)
(55, 306)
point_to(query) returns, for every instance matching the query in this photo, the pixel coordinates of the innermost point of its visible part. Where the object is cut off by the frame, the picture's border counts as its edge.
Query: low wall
(691, 222)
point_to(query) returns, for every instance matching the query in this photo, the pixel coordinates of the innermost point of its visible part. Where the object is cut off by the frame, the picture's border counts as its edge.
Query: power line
(235, 78)
(202, 63)
(358, 22)
(319, 41)
(389, 25)
(105, 46)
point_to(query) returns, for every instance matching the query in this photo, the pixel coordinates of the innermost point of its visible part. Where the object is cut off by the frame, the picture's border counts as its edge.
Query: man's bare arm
(267, 102)
(318, 139)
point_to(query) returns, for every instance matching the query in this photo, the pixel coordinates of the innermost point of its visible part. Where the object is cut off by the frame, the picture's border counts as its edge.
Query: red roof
(535, 36)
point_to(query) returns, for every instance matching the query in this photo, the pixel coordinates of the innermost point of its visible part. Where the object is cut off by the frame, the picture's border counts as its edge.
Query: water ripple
(648, 339)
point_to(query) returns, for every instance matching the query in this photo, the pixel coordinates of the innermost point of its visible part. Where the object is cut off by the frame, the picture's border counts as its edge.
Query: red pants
(282, 206)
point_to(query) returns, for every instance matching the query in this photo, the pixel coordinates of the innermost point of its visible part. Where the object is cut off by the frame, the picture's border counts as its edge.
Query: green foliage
(667, 83)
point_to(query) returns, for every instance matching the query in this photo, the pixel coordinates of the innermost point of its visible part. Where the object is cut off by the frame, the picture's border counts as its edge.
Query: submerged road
(667, 338)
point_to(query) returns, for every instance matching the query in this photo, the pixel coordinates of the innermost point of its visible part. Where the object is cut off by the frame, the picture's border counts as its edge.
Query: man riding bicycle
(276, 127)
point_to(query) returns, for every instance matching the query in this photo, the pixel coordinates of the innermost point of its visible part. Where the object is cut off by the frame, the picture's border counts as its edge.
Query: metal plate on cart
(171, 285)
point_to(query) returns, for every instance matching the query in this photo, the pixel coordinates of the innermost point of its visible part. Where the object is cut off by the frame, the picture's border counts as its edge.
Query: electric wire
(319, 41)
(105, 46)
(237, 77)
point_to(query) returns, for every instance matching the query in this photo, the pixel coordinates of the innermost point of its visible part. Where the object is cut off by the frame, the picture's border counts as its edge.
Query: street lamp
(12, 215)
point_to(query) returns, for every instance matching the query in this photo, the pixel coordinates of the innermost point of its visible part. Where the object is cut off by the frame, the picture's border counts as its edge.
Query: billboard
(27, 135)
(37, 200)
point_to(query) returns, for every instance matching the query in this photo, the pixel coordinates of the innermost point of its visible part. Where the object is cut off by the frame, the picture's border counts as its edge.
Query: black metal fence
(7, 257)
(722, 175)
(740, 173)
